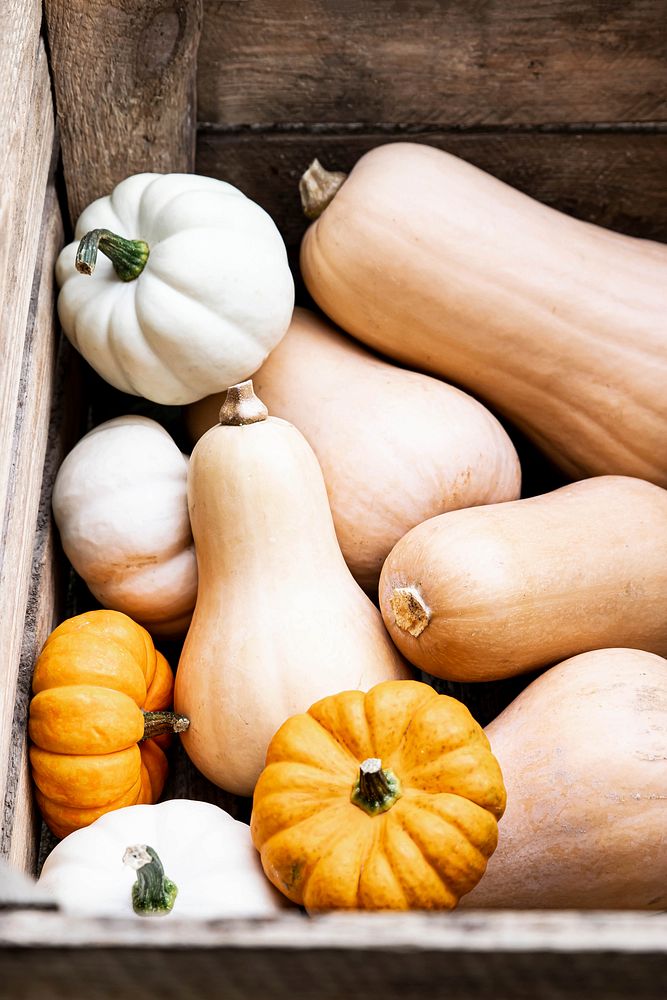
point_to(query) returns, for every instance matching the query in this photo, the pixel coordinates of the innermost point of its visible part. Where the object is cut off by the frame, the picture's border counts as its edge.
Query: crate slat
(432, 61)
(554, 956)
(124, 77)
(32, 235)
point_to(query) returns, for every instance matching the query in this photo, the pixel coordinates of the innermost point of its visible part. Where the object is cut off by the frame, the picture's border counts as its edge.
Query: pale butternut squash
(279, 621)
(559, 324)
(486, 593)
(583, 751)
(395, 447)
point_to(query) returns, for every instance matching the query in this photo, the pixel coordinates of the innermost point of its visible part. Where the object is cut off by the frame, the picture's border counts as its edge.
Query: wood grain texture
(124, 77)
(31, 225)
(432, 61)
(565, 956)
(27, 569)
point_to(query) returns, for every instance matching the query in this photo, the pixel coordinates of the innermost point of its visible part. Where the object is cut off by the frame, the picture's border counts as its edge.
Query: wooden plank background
(445, 62)
(31, 229)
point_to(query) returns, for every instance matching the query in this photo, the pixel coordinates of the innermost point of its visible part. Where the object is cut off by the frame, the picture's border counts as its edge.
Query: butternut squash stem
(410, 611)
(376, 788)
(157, 723)
(318, 188)
(241, 406)
(153, 893)
(127, 256)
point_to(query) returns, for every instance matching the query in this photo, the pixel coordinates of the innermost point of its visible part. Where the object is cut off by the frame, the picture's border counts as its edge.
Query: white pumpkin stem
(318, 188)
(376, 789)
(157, 723)
(410, 611)
(127, 256)
(241, 406)
(153, 893)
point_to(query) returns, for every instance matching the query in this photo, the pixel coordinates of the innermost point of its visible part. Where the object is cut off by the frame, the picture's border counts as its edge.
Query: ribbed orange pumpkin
(96, 677)
(385, 800)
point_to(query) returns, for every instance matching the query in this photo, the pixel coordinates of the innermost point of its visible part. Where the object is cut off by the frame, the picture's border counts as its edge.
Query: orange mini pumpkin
(385, 800)
(99, 686)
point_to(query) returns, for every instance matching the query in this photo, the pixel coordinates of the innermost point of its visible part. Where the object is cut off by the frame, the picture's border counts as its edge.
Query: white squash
(206, 853)
(201, 290)
(120, 504)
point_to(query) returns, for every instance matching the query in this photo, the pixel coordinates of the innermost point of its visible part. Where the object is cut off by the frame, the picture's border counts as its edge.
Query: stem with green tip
(376, 788)
(127, 256)
(153, 893)
(157, 723)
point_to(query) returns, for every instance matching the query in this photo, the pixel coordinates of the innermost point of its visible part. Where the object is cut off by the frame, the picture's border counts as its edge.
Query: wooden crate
(565, 99)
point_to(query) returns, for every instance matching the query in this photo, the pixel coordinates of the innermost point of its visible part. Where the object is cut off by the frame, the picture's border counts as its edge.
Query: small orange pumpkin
(99, 686)
(385, 800)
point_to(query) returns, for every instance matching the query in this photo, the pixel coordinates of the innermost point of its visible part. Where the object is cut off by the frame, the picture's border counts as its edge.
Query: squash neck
(127, 256)
(376, 788)
(153, 893)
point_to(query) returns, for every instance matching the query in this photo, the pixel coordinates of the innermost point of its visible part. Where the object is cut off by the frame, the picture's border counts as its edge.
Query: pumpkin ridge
(379, 844)
(337, 739)
(369, 700)
(231, 333)
(426, 857)
(427, 852)
(324, 839)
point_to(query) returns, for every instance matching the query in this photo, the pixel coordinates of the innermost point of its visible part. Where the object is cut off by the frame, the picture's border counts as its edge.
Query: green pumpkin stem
(127, 256)
(157, 723)
(376, 789)
(153, 893)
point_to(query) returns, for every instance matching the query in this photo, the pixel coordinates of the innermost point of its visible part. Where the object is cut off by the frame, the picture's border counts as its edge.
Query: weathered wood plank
(26, 146)
(124, 76)
(32, 236)
(432, 61)
(554, 956)
(27, 572)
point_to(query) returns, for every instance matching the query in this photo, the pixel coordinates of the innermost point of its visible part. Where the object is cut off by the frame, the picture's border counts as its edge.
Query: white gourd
(200, 312)
(120, 504)
(203, 850)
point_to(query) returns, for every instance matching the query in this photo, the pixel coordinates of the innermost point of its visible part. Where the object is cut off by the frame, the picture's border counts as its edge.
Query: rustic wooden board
(32, 229)
(124, 76)
(528, 956)
(28, 573)
(432, 61)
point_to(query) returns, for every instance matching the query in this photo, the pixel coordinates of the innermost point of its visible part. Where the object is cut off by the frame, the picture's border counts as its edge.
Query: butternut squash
(558, 324)
(486, 593)
(583, 752)
(395, 447)
(279, 622)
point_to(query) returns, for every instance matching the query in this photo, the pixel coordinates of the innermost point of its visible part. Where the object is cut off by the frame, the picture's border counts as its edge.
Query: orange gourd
(99, 685)
(385, 800)
(558, 324)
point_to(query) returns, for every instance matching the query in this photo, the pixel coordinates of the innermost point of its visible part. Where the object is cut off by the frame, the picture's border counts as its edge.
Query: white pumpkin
(120, 504)
(206, 290)
(203, 851)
